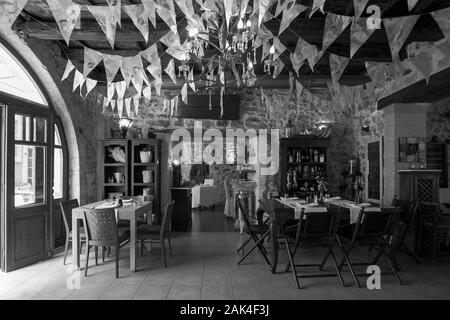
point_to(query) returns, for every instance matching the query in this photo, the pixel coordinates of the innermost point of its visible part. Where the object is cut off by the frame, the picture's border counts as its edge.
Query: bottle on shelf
(290, 157)
(321, 157)
(316, 155)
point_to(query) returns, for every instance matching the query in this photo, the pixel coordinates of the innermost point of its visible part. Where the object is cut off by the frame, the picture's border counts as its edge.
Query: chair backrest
(318, 224)
(167, 217)
(101, 226)
(245, 212)
(374, 223)
(66, 212)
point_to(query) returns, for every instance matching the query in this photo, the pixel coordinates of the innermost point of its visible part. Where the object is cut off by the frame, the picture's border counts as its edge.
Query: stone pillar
(401, 120)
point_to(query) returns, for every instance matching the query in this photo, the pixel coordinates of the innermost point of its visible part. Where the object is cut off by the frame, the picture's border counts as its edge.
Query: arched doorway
(33, 167)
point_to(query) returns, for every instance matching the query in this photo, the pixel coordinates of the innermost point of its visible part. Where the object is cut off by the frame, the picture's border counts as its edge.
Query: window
(58, 167)
(15, 80)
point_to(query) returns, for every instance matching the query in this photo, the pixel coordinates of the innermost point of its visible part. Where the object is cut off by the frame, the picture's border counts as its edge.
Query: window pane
(40, 130)
(29, 175)
(58, 174)
(57, 136)
(22, 127)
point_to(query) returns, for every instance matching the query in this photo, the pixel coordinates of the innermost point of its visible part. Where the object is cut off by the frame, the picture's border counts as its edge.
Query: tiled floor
(204, 267)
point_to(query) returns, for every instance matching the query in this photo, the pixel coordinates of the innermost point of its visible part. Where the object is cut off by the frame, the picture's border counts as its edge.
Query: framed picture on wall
(412, 149)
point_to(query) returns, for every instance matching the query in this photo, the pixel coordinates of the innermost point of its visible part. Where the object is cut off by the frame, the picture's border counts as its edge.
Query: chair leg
(117, 260)
(96, 255)
(87, 260)
(163, 252)
(66, 248)
(258, 244)
(291, 262)
(347, 260)
(288, 265)
(410, 253)
(170, 247)
(391, 266)
(336, 266)
(322, 264)
(241, 248)
(103, 253)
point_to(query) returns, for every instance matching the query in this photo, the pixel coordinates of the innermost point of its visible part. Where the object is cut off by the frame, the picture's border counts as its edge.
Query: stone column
(401, 120)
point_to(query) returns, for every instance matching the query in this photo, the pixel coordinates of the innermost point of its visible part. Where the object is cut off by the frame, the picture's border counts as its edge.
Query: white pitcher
(147, 176)
(146, 156)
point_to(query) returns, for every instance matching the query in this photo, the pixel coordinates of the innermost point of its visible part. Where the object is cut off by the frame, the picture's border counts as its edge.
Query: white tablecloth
(204, 196)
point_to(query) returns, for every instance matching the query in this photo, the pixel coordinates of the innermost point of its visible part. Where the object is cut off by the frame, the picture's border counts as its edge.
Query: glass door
(28, 161)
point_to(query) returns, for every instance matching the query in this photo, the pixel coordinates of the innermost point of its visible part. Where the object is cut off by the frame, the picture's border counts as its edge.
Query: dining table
(131, 212)
(281, 211)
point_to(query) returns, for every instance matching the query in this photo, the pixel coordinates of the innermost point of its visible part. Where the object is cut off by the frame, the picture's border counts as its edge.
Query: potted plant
(322, 187)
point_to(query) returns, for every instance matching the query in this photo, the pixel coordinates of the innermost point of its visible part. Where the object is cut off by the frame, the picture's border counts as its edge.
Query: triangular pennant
(279, 48)
(304, 50)
(296, 63)
(263, 6)
(166, 11)
(136, 99)
(281, 5)
(412, 4)
(112, 65)
(67, 16)
(132, 67)
(158, 83)
(184, 93)
(170, 39)
(441, 18)
(290, 12)
(9, 11)
(334, 25)
(150, 10)
(91, 59)
(397, 30)
(90, 85)
(243, 8)
(128, 106)
(278, 68)
(298, 87)
(147, 92)
(170, 70)
(337, 66)
(105, 104)
(314, 58)
(359, 34)
(359, 6)
(78, 80)
(151, 55)
(139, 16)
(120, 108)
(107, 20)
(68, 70)
(424, 64)
(191, 79)
(121, 87)
(317, 5)
(228, 6)
(113, 105)
(110, 90)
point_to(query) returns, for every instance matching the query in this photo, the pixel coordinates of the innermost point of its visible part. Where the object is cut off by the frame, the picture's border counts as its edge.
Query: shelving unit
(108, 166)
(302, 159)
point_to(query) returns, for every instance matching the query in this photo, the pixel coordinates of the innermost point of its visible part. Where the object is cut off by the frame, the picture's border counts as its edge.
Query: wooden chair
(372, 229)
(434, 227)
(66, 212)
(229, 209)
(101, 230)
(158, 233)
(256, 232)
(314, 230)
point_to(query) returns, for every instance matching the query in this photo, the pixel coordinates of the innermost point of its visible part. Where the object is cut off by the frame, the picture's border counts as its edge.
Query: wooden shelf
(144, 164)
(115, 164)
(114, 184)
(306, 163)
(139, 184)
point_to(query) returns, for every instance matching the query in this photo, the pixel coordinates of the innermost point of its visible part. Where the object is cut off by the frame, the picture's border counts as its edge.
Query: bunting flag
(184, 93)
(263, 6)
(67, 16)
(278, 68)
(150, 10)
(9, 11)
(112, 65)
(110, 90)
(334, 25)
(171, 39)
(78, 80)
(228, 6)
(132, 67)
(359, 6)
(90, 85)
(107, 18)
(397, 30)
(166, 11)
(243, 8)
(279, 48)
(170, 70)
(442, 19)
(304, 51)
(298, 88)
(296, 62)
(290, 12)
(151, 55)
(121, 87)
(136, 99)
(68, 70)
(139, 16)
(424, 64)
(188, 10)
(262, 36)
(281, 5)
(120, 108)
(317, 4)
(337, 66)
(359, 34)
(91, 59)
(128, 106)
(147, 93)
(412, 4)
(158, 83)
(105, 104)
(191, 79)
(113, 105)
(313, 59)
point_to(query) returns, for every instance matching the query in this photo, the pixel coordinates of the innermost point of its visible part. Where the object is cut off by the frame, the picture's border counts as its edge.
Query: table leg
(133, 244)
(75, 242)
(274, 235)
